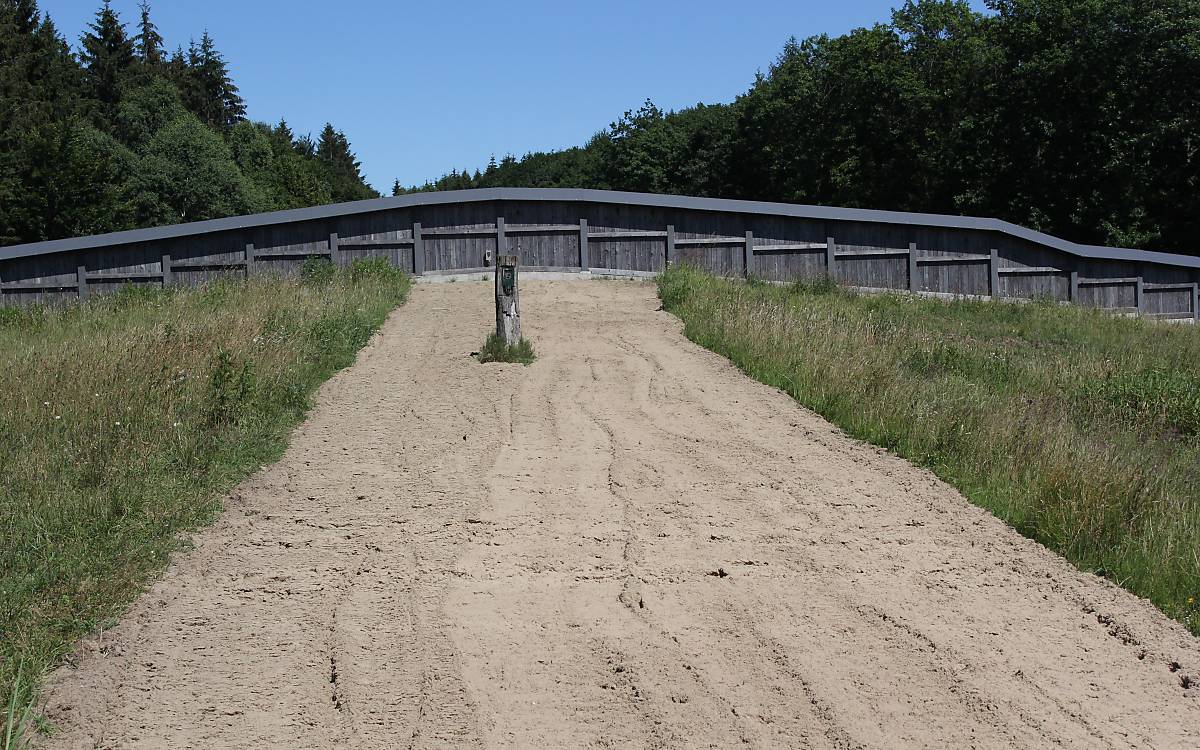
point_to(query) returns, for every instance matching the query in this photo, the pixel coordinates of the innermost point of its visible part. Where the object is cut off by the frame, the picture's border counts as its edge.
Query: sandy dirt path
(627, 544)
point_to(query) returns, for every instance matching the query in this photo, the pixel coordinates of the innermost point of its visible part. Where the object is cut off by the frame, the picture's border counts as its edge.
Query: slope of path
(627, 544)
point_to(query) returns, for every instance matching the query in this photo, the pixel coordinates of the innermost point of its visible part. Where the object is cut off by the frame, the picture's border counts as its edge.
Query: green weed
(495, 350)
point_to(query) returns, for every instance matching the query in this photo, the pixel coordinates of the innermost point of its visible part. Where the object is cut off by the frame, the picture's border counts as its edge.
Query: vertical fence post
(1139, 296)
(913, 286)
(501, 239)
(748, 255)
(994, 273)
(81, 280)
(418, 251)
(168, 276)
(669, 257)
(249, 259)
(508, 299)
(830, 260)
(1196, 302)
(583, 245)
(333, 248)
(1073, 291)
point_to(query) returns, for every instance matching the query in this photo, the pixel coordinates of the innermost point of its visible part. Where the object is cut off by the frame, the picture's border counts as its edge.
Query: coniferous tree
(208, 89)
(107, 54)
(284, 134)
(397, 189)
(148, 41)
(333, 149)
(112, 146)
(305, 146)
(176, 68)
(39, 95)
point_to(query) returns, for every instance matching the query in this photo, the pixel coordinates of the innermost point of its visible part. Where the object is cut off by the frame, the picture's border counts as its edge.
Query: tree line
(1080, 118)
(120, 134)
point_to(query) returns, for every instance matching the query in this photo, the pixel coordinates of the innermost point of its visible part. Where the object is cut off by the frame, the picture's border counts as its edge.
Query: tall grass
(124, 419)
(1078, 428)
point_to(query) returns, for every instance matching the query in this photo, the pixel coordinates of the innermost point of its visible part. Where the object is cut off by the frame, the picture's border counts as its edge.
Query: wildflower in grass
(45, 403)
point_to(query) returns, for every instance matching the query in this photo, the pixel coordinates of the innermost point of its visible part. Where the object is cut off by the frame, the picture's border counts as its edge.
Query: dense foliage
(1076, 117)
(120, 134)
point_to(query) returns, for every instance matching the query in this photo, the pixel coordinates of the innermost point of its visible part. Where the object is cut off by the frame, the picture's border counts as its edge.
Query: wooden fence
(602, 231)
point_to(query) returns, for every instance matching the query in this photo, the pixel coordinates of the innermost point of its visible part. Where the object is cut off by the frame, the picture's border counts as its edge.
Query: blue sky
(420, 88)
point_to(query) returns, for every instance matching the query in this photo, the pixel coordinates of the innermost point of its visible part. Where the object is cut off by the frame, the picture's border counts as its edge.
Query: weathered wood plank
(584, 260)
(418, 249)
(541, 229)
(118, 276)
(697, 241)
(946, 259)
(1166, 287)
(399, 242)
(1122, 281)
(1013, 270)
(188, 265)
(637, 233)
(464, 232)
(790, 247)
(913, 279)
(897, 253)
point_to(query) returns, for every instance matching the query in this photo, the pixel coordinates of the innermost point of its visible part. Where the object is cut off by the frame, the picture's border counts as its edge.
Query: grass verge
(124, 419)
(495, 350)
(1078, 428)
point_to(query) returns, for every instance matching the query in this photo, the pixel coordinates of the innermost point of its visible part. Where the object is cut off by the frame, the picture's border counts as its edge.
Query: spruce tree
(284, 133)
(397, 189)
(207, 88)
(106, 54)
(148, 41)
(333, 149)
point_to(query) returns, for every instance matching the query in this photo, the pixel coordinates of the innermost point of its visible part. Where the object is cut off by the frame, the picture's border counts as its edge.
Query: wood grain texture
(445, 238)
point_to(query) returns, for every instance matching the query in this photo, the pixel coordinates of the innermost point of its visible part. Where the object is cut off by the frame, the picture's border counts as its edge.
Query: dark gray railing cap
(593, 196)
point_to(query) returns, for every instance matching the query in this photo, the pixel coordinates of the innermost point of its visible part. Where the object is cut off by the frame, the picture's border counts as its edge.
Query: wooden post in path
(508, 301)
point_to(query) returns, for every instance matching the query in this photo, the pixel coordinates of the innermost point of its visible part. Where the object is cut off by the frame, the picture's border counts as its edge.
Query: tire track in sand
(627, 544)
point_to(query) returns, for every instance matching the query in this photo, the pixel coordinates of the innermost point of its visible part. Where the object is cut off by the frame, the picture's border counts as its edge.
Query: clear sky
(420, 88)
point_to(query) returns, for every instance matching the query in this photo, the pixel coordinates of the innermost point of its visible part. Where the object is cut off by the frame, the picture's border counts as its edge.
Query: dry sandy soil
(627, 544)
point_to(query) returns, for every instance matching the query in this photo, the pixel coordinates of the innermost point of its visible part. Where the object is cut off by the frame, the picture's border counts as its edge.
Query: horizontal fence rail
(603, 231)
